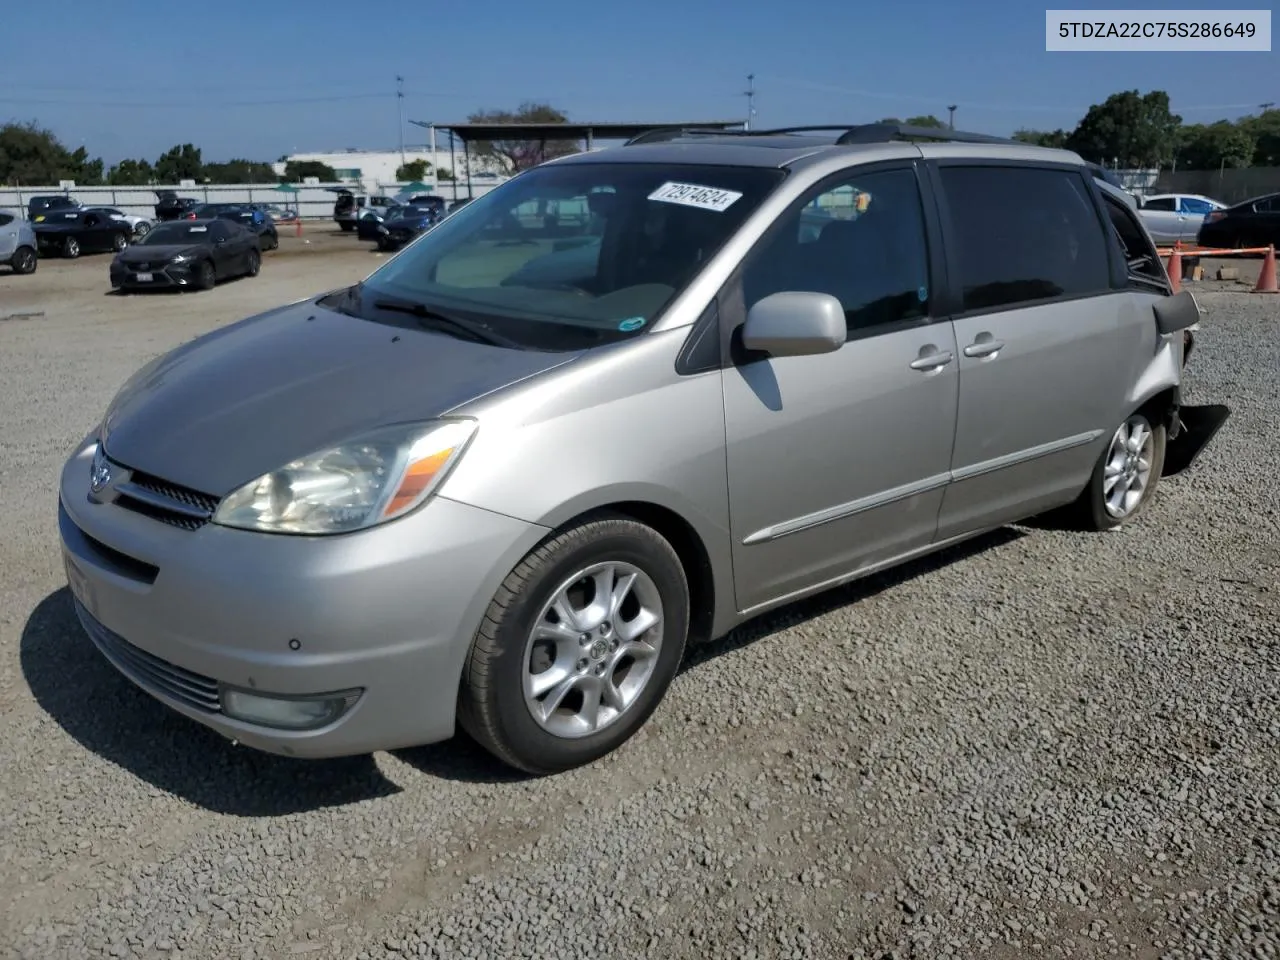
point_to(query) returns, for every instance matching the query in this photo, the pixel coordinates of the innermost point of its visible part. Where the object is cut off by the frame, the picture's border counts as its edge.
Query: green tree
(516, 155)
(444, 173)
(1133, 129)
(131, 173)
(32, 155)
(413, 170)
(238, 171)
(295, 171)
(1042, 138)
(1265, 130)
(179, 162)
(1214, 145)
(928, 120)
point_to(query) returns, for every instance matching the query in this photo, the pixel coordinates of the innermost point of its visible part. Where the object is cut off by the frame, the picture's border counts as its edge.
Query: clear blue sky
(131, 78)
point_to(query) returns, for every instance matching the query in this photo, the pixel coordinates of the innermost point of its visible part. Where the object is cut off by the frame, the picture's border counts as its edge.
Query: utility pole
(952, 111)
(400, 105)
(751, 100)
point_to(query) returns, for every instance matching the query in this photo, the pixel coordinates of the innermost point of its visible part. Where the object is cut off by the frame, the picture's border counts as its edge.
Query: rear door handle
(933, 361)
(984, 348)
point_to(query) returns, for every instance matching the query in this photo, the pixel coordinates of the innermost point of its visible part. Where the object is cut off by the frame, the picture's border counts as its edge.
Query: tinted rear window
(1024, 234)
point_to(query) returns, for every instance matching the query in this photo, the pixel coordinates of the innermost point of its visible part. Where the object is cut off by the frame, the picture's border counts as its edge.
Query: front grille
(156, 676)
(167, 502)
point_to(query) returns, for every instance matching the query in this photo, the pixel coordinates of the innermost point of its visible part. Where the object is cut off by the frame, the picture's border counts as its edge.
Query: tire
(273, 240)
(24, 261)
(141, 230)
(205, 276)
(119, 242)
(496, 701)
(1092, 511)
(346, 227)
(71, 248)
(255, 264)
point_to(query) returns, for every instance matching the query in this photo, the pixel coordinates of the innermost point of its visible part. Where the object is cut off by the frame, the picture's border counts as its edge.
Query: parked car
(73, 232)
(1173, 217)
(348, 206)
(369, 224)
(437, 498)
(280, 214)
(247, 215)
(170, 206)
(139, 225)
(404, 224)
(51, 204)
(17, 243)
(188, 255)
(1254, 223)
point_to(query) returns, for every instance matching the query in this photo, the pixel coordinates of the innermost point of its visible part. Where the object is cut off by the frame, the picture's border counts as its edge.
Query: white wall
(380, 166)
(312, 200)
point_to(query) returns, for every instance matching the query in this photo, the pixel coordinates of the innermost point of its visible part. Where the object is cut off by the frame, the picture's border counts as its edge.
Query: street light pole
(400, 105)
(952, 111)
(751, 100)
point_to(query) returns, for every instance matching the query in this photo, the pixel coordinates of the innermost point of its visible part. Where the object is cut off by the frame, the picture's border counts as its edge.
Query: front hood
(241, 401)
(159, 253)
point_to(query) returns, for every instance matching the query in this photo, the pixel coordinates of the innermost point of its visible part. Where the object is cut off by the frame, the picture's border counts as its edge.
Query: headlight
(180, 258)
(372, 479)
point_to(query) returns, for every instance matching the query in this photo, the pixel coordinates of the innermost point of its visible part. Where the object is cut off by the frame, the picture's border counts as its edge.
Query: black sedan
(404, 224)
(1254, 223)
(73, 232)
(245, 214)
(188, 254)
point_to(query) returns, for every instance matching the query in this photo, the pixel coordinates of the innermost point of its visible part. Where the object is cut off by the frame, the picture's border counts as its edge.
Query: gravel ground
(1045, 744)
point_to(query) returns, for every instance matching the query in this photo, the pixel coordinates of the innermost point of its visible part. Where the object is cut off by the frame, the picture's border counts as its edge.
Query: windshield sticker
(694, 195)
(198, 229)
(631, 323)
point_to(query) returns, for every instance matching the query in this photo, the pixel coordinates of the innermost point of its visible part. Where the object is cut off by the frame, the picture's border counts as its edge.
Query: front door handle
(984, 348)
(932, 361)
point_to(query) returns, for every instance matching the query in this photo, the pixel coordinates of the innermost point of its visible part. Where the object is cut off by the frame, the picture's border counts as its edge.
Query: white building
(372, 169)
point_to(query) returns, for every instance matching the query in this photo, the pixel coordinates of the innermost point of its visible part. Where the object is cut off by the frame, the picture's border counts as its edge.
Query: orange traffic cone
(1267, 278)
(1175, 269)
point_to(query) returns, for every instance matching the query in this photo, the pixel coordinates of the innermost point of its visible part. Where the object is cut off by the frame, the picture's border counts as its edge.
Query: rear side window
(1023, 235)
(1192, 205)
(6, 219)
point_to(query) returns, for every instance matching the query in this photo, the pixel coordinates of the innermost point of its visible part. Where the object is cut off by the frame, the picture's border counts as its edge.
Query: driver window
(91, 220)
(862, 241)
(1142, 258)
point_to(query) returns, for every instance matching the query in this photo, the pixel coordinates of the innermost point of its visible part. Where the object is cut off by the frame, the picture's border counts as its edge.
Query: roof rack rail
(882, 132)
(862, 133)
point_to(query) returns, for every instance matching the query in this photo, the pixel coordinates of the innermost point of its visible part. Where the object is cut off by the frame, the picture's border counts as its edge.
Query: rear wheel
(24, 260)
(346, 227)
(578, 646)
(119, 242)
(71, 248)
(273, 240)
(254, 264)
(1125, 476)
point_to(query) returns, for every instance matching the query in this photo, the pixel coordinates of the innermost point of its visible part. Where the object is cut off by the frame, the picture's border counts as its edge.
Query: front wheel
(119, 242)
(205, 276)
(578, 647)
(254, 263)
(24, 261)
(1125, 476)
(71, 248)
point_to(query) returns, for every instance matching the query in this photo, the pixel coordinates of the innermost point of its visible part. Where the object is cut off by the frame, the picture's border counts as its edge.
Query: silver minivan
(626, 400)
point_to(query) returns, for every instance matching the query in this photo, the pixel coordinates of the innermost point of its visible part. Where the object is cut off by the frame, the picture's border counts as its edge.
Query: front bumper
(161, 275)
(389, 611)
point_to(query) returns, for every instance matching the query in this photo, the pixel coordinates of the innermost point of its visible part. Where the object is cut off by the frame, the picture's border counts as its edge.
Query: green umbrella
(416, 187)
(287, 188)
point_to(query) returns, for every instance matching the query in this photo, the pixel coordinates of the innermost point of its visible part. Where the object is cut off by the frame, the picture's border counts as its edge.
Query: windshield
(172, 233)
(568, 256)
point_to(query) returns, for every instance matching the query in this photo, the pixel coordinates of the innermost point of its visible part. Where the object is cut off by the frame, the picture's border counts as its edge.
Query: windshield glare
(577, 253)
(171, 233)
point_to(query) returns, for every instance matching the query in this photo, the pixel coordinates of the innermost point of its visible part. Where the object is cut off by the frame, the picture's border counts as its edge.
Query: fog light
(287, 712)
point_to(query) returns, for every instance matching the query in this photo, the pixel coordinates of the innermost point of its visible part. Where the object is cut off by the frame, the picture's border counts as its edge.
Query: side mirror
(795, 324)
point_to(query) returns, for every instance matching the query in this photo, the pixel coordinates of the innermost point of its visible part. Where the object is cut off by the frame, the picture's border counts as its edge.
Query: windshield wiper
(435, 320)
